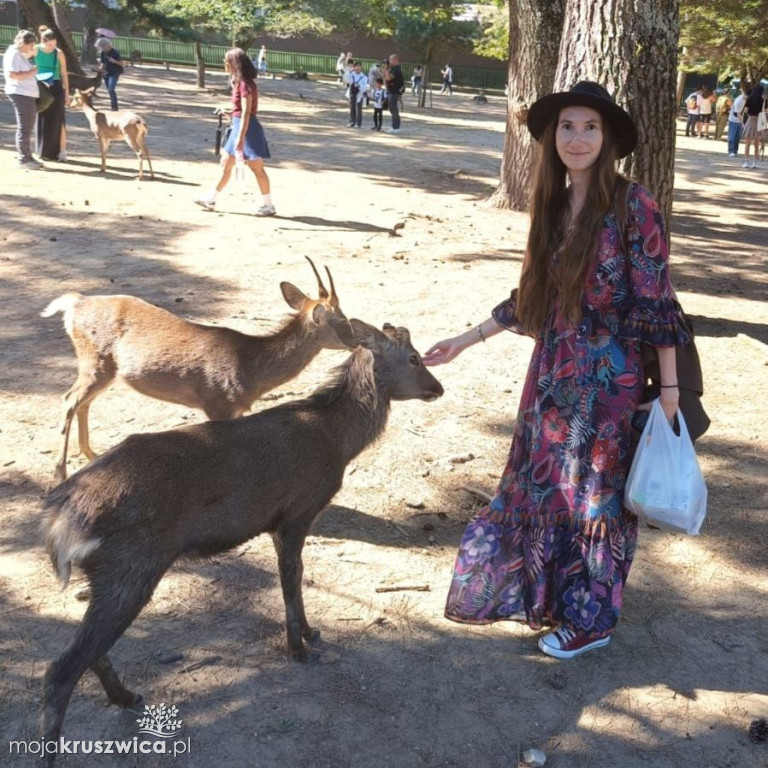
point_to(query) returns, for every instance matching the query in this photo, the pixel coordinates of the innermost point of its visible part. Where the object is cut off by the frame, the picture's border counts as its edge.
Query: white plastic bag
(665, 485)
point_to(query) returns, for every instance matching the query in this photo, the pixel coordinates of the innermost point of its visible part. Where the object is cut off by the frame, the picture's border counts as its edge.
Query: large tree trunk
(534, 41)
(95, 17)
(61, 15)
(631, 49)
(39, 13)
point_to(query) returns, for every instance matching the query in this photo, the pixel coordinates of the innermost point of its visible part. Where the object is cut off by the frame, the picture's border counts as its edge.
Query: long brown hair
(240, 67)
(541, 284)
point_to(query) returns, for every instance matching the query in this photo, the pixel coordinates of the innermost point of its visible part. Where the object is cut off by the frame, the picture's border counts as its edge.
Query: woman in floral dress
(555, 545)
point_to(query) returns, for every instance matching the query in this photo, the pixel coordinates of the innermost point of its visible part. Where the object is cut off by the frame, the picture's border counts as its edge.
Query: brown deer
(218, 370)
(111, 126)
(200, 490)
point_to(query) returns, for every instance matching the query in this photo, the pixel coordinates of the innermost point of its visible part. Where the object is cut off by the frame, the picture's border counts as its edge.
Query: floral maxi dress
(556, 543)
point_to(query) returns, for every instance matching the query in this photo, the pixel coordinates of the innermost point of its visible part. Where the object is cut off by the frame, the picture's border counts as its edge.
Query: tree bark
(38, 13)
(200, 61)
(630, 49)
(61, 15)
(534, 41)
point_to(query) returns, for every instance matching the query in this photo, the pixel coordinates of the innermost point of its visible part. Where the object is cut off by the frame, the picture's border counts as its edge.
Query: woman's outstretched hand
(444, 351)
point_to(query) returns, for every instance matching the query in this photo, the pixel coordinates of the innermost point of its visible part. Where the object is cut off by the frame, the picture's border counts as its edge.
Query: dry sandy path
(397, 685)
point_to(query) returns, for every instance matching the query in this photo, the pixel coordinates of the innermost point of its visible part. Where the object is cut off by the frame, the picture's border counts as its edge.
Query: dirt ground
(397, 684)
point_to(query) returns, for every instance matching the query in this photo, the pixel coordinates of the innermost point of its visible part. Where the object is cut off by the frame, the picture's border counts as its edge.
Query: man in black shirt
(395, 86)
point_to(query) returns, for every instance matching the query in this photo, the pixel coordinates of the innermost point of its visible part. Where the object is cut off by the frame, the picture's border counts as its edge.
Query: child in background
(379, 97)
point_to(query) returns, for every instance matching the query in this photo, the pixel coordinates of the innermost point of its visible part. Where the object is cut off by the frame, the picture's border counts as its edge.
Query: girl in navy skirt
(247, 143)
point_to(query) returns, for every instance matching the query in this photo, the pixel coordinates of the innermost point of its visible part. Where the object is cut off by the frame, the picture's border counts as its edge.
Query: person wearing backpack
(722, 110)
(357, 86)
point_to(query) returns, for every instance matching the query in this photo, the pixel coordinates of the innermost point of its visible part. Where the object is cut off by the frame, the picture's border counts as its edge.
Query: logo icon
(160, 721)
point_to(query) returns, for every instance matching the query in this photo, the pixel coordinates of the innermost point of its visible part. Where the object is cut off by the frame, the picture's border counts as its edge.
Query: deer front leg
(288, 546)
(104, 145)
(83, 437)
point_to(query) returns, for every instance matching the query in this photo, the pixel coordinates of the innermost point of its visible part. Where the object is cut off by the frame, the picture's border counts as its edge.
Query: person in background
(340, 66)
(379, 98)
(706, 101)
(752, 108)
(735, 124)
(692, 105)
(357, 84)
(554, 547)
(374, 73)
(247, 144)
(51, 124)
(263, 66)
(112, 65)
(22, 89)
(447, 73)
(416, 79)
(722, 110)
(393, 79)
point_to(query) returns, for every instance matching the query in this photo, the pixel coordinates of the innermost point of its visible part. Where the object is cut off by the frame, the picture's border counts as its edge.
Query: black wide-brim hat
(584, 94)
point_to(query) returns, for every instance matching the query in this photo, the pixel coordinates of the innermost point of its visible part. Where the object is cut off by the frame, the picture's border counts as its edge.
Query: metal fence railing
(176, 52)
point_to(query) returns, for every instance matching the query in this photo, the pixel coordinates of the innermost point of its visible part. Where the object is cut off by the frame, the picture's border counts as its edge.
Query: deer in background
(200, 490)
(111, 126)
(218, 370)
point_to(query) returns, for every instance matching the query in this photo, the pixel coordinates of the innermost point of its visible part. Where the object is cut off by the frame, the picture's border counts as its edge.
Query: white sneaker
(62, 157)
(745, 164)
(731, 154)
(753, 164)
(31, 165)
(392, 130)
(266, 210)
(207, 203)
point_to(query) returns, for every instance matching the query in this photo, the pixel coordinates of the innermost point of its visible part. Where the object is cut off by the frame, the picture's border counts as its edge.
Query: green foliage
(426, 26)
(494, 41)
(429, 27)
(725, 36)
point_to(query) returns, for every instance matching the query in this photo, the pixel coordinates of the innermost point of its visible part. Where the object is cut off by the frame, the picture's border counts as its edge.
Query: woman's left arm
(653, 317)
(64, 75)
(670, 393)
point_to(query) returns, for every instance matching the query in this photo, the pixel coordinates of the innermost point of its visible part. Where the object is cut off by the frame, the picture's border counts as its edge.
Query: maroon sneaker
(565, 644)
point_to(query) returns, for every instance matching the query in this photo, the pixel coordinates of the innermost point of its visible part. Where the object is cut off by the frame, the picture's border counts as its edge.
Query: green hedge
(174, 52)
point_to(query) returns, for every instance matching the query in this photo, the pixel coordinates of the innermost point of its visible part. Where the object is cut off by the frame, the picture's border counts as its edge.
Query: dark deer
(200, 490)
(218, 370)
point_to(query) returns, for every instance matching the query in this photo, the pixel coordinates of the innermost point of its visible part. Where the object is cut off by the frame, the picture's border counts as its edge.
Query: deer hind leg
(137, 141)
(145, 151)
(109, 614)
(90, 382)
(116, 692)
(288, 545)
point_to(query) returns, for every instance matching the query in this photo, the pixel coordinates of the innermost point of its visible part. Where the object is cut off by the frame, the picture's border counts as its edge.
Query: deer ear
(367, 336)
(318, 314)
(293, 296)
